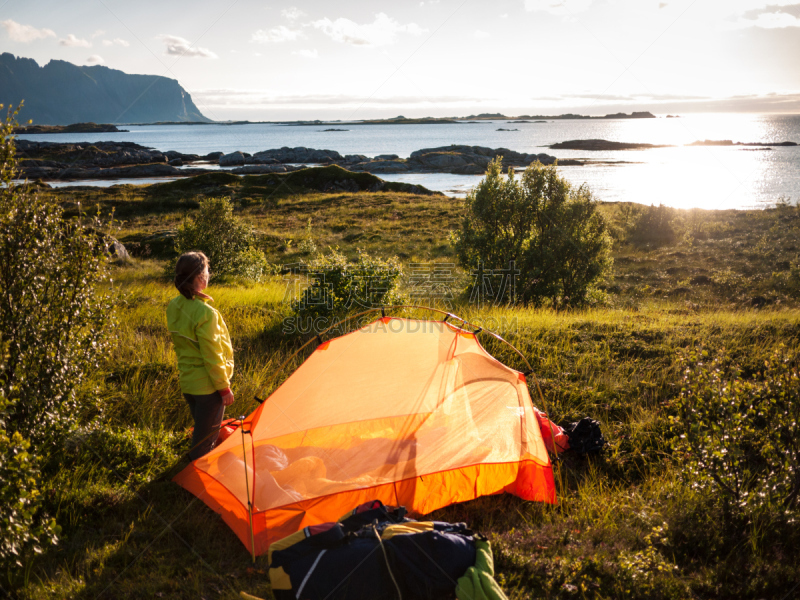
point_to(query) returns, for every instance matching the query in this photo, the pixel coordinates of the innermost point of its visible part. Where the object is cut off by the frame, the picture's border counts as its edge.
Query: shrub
(547, 234)
(53, 317)
(653, 227)
(21, 525)
(739, 438)
(229, 242)
(338, 287)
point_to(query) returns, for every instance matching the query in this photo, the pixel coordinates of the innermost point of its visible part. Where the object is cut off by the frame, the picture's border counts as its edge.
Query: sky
(255, 60)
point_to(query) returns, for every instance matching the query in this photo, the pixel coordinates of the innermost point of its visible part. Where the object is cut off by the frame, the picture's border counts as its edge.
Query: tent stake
(247, 489)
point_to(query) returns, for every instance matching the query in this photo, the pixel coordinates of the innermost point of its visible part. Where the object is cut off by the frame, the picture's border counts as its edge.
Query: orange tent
(414, 413)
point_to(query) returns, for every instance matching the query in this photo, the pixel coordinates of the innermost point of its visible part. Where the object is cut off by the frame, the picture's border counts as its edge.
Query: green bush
(229, 242)
(546, 234)
(53, 317)
(653, 227)
(738, 437)
(21, 524)
(338, 287)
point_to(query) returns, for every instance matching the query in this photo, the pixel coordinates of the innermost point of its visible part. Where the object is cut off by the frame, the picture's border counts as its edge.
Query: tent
(411, 412)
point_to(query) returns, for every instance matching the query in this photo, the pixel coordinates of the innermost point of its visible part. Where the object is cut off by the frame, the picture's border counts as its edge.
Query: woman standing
(205, 353)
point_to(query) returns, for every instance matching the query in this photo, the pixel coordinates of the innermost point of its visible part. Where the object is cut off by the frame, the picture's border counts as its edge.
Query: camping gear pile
(376, 552)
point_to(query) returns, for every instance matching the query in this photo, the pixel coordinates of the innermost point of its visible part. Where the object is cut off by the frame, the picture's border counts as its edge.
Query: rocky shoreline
(49, 161)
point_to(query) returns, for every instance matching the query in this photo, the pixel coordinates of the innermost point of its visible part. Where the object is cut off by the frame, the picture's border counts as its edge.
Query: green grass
(627, 525)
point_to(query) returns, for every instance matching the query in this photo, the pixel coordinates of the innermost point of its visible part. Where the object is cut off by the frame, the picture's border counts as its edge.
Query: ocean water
(681, 176)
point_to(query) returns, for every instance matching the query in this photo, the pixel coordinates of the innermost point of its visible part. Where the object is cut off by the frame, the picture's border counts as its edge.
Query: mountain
(61, 93)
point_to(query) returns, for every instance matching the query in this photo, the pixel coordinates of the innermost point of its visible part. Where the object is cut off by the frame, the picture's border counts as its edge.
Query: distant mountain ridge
(61, 93)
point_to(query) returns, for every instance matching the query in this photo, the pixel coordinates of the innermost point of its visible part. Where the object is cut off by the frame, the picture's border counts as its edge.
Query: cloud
(95, 59)
(381, 32)
(98, 33)
(177, 46)
(117, 41)
(293, 13)
(74, 42)
(25, 33)
(662, 5)
(480, 35)
(278, 34)
(558, 7)
(772, 17)
(307, 53)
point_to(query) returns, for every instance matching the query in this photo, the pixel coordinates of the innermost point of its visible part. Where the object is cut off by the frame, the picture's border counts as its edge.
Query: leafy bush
(229, 242)
(53, 316)
(52, 310)
(737, 437)
(653, 227)
(550, 233)
(338, 287)
(20, 500)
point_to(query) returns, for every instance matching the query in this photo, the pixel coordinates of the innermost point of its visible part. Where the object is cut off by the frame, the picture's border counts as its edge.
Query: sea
(682, 176)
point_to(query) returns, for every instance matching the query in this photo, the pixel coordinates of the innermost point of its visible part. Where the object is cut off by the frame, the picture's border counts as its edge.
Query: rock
(469, 170)
(213, 156)
(252, 160)
(354, 158)
(118, 251)
(469, 160)
(387, 157)
(176, 162)
(300, 155)
(259, 169)
(232, 159)
(381, 166)
(439, 160)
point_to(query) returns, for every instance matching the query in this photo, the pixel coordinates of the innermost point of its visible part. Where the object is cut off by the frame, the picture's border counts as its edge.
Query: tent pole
(247, 489)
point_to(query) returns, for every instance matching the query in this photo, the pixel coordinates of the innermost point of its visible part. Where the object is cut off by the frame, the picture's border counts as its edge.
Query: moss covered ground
(628, 524)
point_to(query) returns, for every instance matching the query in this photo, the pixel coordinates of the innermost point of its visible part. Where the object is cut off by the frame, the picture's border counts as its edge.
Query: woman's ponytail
(188, 267)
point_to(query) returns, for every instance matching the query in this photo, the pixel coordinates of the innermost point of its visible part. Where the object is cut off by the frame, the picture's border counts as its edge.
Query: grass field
(628, 524)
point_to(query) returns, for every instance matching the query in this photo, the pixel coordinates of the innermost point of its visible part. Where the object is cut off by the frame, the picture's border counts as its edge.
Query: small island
(73, 128)
(599, 145)
(731, 143)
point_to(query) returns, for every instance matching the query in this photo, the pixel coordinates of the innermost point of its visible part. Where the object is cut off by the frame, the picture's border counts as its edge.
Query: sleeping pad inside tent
(411, 412)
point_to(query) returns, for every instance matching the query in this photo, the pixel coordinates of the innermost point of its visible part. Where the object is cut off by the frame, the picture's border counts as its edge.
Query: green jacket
(203, 346)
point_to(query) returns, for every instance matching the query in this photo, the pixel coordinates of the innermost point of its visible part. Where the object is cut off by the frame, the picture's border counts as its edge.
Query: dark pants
(207, 412)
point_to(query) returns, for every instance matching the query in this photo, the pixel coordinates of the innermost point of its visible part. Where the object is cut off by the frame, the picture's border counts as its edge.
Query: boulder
(232, 159)
(387, 157)
(354, 158)
(300, 155)
(259, 169)
(118, 251)
(441, 160)
(176, 162)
